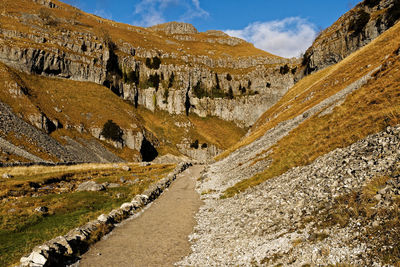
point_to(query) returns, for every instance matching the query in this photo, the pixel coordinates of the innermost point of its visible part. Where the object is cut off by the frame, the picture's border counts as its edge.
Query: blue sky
(285, 27)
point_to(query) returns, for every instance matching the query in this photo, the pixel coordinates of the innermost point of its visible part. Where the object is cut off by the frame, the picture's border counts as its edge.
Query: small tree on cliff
(112, 131)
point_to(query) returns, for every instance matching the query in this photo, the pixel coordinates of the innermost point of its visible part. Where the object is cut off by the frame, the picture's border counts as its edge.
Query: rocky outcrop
(175, 28)
(90, 186)
(274, 223)
(73, 151)
(83, 60)
(240, 164)
(353, 30)
(14, 150)
(10, 123)
(252, 93)
(120, 65)
(64, 250)
(202, 154)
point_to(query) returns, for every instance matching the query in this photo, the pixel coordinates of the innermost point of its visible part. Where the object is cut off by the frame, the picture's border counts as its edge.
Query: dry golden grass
(21, 228)
(81, 103)
(120, 33)
(33, 170)
(316, 87)
(210, 130)
(368, 110)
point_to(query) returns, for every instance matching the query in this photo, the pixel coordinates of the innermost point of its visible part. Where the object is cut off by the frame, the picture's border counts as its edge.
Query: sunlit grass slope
(368, 110)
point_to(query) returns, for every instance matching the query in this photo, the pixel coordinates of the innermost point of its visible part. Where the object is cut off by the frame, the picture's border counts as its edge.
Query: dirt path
(158, 237)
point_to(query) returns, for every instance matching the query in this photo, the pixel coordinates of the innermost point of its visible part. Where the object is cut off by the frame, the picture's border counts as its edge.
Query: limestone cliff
(157, 67)
(353, 30)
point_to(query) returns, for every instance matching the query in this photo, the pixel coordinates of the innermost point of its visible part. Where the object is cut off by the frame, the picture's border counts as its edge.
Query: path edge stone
(66, 249)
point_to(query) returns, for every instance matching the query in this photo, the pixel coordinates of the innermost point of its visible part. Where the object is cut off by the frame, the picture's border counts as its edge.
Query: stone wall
(65, 249)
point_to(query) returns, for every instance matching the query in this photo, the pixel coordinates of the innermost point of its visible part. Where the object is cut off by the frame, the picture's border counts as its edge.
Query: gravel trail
(159, 236)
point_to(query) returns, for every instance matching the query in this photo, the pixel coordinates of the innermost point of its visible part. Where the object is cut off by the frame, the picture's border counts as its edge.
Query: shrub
(46, 16)
(156, 63)
(229, 77)
(195, 144)
(153, 63)
(284, 69)
(105, 35)
(132, 77)
(154, 81)
(204, 145)
(249, 84)
(268, 85)
(148, 63)
(112, 131)
(217, 93)
(199, 91)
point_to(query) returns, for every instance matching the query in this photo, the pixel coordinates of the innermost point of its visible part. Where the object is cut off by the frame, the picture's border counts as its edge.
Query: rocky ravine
(86, 54)
(277, 221)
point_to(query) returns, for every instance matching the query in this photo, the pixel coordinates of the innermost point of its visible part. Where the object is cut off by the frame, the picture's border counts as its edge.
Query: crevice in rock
(54, 72)
(113, 72)
(148, 151)
(187, 101)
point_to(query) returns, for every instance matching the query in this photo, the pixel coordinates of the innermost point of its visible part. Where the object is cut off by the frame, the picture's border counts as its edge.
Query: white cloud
(287, 38)
(151, 12)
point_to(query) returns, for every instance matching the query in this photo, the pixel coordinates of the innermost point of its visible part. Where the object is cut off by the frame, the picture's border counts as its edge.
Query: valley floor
(158, 237)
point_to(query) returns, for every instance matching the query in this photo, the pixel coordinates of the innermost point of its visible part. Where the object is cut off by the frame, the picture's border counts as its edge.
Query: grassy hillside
(54, 187)
(89, 105)
(76, 20)
(368, 110)
(209, 130)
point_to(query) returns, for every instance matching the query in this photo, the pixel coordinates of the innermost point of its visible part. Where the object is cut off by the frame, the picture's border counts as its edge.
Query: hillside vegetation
(24, 225)
(368, 110)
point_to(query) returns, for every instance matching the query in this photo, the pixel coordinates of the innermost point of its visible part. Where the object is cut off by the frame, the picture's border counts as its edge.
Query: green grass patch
(22, 228)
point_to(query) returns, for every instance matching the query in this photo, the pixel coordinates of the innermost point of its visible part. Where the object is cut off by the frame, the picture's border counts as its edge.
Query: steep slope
(66, 73)
(302, 186)
(353, 30)
(73, 114)
(171, 67)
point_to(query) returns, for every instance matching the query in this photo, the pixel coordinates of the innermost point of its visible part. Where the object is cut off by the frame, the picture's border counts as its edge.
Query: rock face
(121, 65)
(353, 30)
(274, 222)
(252, 93)
(83, 60)
(202, 154)
(175, 28)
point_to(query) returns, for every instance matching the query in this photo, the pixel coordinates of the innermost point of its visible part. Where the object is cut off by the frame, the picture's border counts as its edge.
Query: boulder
(126, 168)
(42, 209)
(6, 176)
(90, 186)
